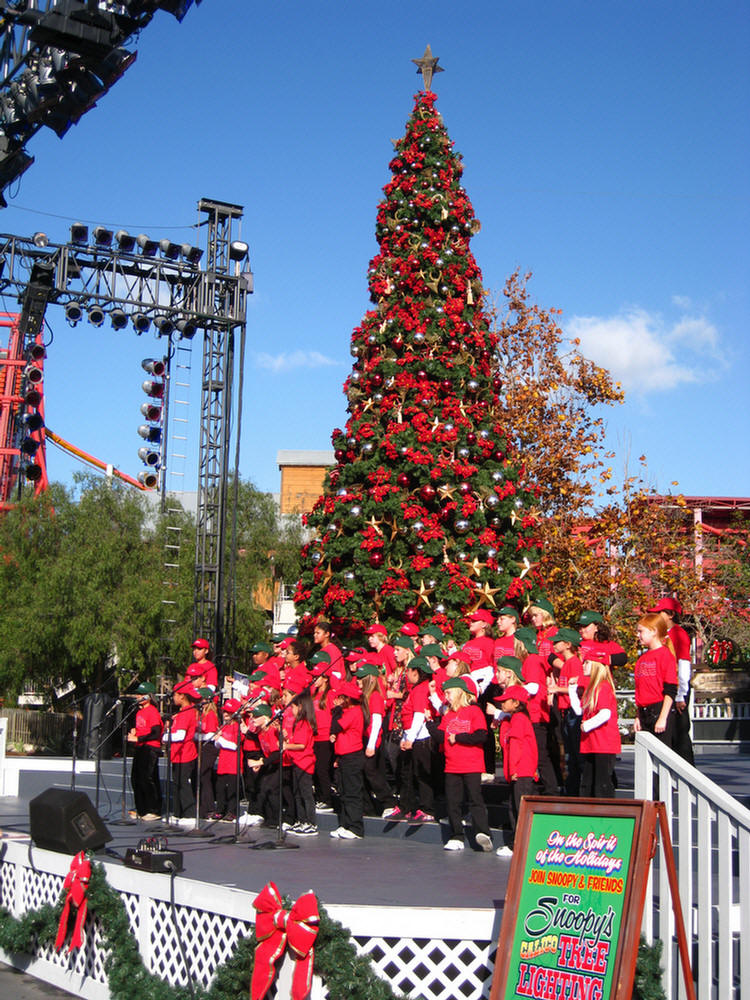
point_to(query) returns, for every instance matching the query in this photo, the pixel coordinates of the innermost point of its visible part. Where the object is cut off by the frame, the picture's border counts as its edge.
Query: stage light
(141, 322)
(73, 312)
(125, 241)
(187, 328)
(148, 457)
(14, 160)
(33, 374)
(191, 254)
(40, 240)
(102, 236)
(148, 479)
(29, 446)
(32, 422)
(153, 389)
(151, 411)
(79, 233)
(32, 397)
(36, 352)
(164, 325)
(238, 250)
(118, 319)
(148, 247)
(170, 250)
(33, 472)
(154, 366)
(111, 68)
(247, 281)
(96, 316)
(150, 434)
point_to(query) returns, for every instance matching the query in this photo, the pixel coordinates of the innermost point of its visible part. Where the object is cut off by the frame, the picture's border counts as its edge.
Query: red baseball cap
(409, 629)
(667, 604)
(231, 705)
(376, 629)
(201, 644)
(482, 616)
(350, 689)
(514, 691)
(462, 657)
(196, 670)
(186, 688)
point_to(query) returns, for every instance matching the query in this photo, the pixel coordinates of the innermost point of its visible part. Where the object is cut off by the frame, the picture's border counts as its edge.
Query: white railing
(438, 954)
(710, 833)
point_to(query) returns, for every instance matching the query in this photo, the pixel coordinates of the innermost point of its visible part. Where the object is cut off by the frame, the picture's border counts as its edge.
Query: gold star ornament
(427, 66)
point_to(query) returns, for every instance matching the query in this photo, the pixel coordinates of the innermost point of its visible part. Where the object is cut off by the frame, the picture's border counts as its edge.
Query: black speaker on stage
(61, 820)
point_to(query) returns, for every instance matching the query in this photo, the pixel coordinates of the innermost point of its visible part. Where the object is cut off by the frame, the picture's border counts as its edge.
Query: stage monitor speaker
(66, 821)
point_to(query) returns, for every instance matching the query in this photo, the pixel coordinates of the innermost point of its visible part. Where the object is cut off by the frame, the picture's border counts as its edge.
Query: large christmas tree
(424, 516)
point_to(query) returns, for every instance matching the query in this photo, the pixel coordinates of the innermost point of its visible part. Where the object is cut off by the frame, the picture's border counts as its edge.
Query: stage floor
(394, 865)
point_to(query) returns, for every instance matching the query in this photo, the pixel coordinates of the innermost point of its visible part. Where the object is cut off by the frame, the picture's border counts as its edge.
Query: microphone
(112, 708)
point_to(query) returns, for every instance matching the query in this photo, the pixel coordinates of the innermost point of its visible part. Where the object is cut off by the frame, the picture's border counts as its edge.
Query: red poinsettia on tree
(424, 516)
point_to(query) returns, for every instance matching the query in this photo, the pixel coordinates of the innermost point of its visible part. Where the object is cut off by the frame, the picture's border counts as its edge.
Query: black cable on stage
(173, 911)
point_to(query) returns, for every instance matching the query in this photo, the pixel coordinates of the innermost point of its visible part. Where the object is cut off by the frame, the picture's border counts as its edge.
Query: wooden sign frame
(577, 886)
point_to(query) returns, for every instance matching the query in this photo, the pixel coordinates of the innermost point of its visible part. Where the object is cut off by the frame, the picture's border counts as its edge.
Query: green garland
(346, 974)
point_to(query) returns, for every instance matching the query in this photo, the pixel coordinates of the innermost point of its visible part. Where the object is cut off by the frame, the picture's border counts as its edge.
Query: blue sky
(606, 149)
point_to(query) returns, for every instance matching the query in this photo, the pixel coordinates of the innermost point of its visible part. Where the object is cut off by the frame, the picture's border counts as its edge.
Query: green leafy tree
(424, 515)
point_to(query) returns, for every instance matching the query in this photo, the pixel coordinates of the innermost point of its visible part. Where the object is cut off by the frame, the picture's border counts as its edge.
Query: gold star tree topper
(428, 66)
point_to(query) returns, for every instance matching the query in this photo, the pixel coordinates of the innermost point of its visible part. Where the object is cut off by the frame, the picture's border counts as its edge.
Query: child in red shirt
(373, 708)
(565, 643)
(182, 751)
(462, 731)
(655, 679)
(299, 735)
(600, 732)
(347, 730)
(518, 744)
(227, 740)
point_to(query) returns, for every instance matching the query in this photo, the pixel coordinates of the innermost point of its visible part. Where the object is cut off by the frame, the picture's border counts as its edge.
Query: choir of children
(402, 730)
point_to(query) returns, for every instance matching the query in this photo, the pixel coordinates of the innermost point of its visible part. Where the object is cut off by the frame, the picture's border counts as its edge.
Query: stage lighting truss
(57, 59)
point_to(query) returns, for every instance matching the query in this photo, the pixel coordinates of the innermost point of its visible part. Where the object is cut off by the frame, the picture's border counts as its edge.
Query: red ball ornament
(464, 489)
(453, 345)
(471, 438)
(403, 480)
(499, 456)
(339, 454)
(376, 559)
(428, 493)
(376, 379)
(446, 385)
(422, 376)
(411, 614)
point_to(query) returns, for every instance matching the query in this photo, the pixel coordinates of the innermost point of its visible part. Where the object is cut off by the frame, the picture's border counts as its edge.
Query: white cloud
(284, 362)
(647, 354)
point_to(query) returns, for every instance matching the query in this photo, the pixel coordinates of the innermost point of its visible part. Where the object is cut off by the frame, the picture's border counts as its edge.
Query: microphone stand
(281, 843)
(99, 744)
(124, 819)
(197, 831)
(249, 703)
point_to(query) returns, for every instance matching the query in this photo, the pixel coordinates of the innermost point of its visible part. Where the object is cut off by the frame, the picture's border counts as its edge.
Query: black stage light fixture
(154, 366)
(79, 233)
(149, 457)
(102, 236)
(96, 316)
(32, 422)
(147, 246)
(150, 434)
(32, 397)
(169, 249)
(40, 240)
(125, 241)
(14, 161)
(36, 352)
(141, 322)
(33, 374)
(164, 325)
(187, 328)
(191, 254)
(29, 447)
(238, 250)
(113, 65)
(118, 319)
(33, 472)
(153, 389)
(73, 312)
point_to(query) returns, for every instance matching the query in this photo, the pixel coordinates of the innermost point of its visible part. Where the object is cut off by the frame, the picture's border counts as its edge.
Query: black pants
(518, 788)
(456, 785)
(647, 716)
(145, 779)
(304, 800)
(349, 767)
(268, 796)
(209, 755)
(681, 742)
(416, 778)
(375, 783)
(548, 784)
(596, 775)
(571, 736)
(392, 761)
(323, 777)
(226, 794)
(183, 795)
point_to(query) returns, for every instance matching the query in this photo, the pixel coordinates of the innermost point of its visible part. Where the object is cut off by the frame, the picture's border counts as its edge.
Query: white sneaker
(250, 819)
(321, 807)
(453, 845)
(487, 778)
(504, 852)
(485, 841)
(337, 832)
(345, 834)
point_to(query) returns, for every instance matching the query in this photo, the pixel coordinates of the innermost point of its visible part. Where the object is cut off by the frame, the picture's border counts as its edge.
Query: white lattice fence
(451, 958)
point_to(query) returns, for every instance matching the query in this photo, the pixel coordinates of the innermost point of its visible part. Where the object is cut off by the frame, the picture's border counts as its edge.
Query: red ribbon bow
(274, 928)
(77, 883)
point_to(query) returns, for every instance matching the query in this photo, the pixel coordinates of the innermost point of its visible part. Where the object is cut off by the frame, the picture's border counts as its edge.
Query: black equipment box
(163, 862)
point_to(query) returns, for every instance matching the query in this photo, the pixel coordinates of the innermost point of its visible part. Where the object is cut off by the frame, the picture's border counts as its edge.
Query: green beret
(527, 636)
(262, 647)
(405, 641)
(434, 631)
(262, 710)
(368, 670)
(146, 688)
(543, 604)
(508, 610)
(319, 657)
(510, 663)
(431, 649)
(590, 618)
(419, 663)
(566, 635)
